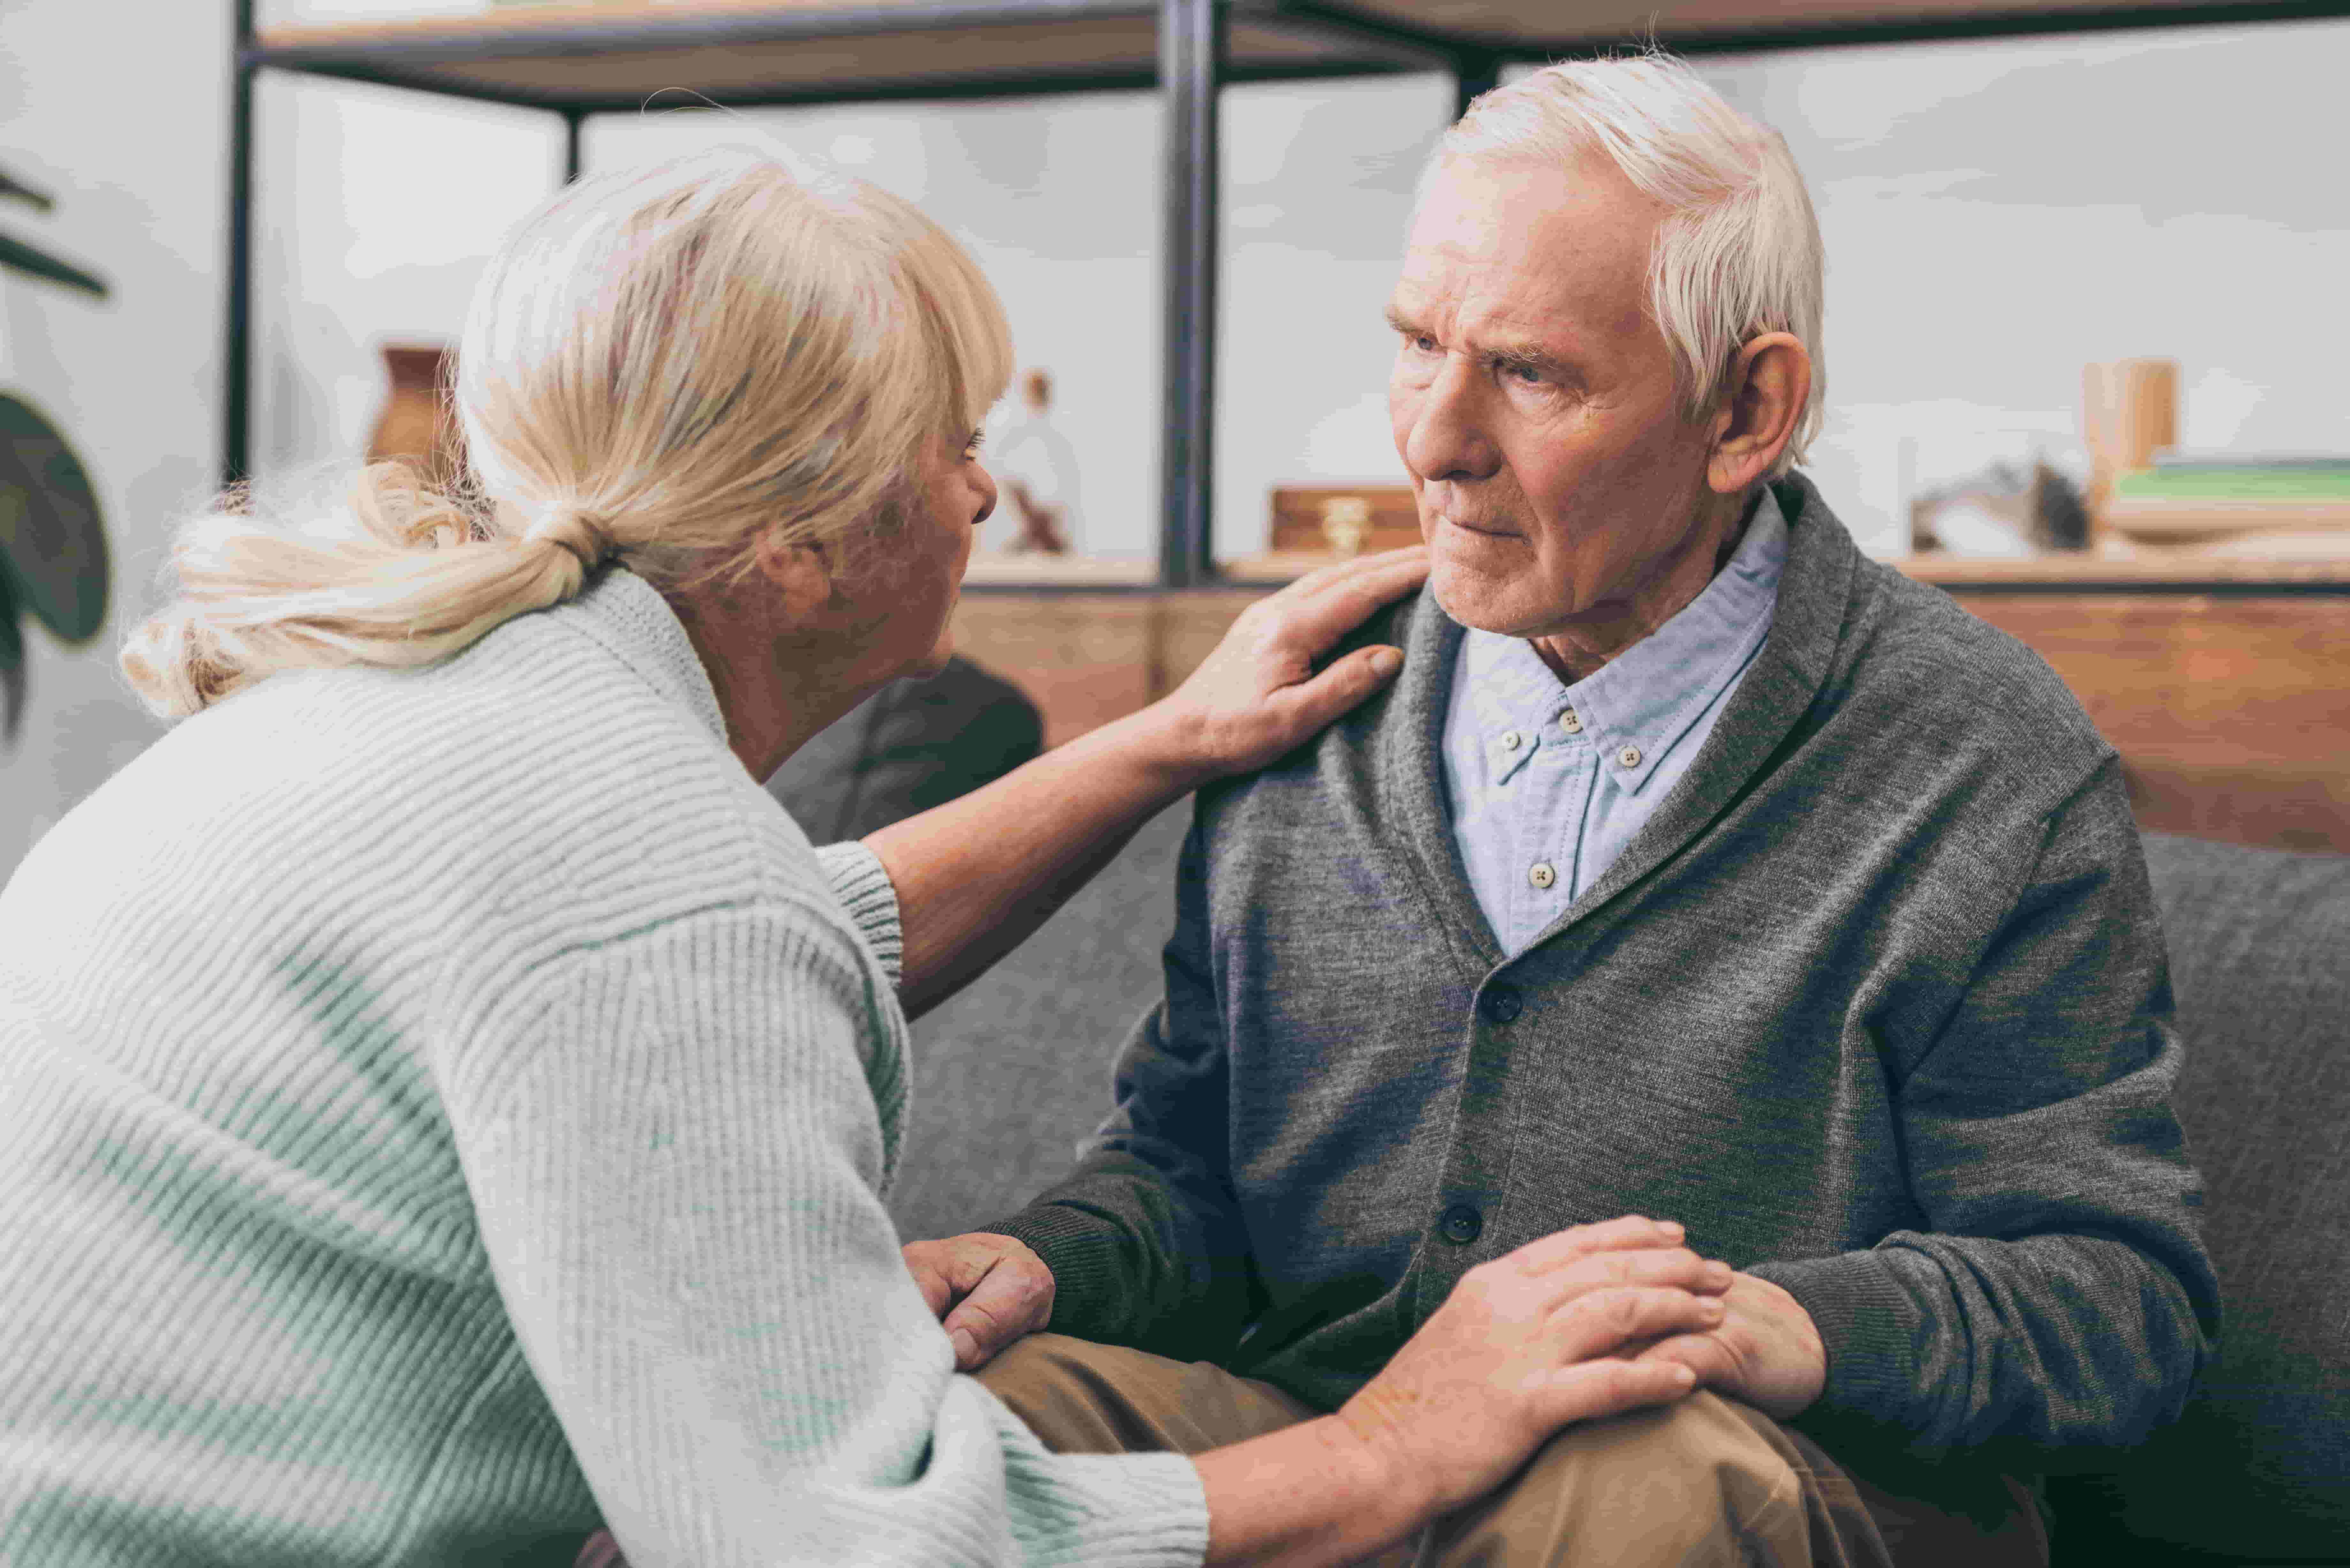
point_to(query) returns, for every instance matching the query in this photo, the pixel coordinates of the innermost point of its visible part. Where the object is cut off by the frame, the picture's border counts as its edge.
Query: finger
(1600, 1322)
(1314, 620)
(1320, 606)
(1676, 1266)
(999, 1308)
(1312, 703)
(1703, 1354)
(1563, 1246)
(1606, 1387)
(927, 1278)
(1384, 561)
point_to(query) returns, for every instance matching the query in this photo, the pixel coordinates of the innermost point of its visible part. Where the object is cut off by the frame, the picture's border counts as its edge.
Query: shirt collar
(1637, 705)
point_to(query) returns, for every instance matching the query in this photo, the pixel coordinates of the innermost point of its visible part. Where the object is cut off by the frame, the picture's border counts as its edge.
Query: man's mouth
(1492, 528)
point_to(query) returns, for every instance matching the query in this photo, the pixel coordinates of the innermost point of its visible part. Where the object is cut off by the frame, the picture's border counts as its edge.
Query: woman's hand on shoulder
(1259, 696)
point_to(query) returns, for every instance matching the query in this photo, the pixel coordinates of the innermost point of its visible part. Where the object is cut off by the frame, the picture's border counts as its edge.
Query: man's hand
(998, 1289)
(1766, 1350)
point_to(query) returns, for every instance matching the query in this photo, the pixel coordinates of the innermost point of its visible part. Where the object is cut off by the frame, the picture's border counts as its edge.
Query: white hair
(1738, 253)
(666, 365)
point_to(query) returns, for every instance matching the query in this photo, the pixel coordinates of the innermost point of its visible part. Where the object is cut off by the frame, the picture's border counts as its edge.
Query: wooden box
(1342, 519)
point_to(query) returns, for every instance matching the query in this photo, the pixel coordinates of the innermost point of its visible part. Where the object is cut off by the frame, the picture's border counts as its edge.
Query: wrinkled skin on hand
(986, 1290)
(1527, 1343)
(1765, 1351)
(1258, 696)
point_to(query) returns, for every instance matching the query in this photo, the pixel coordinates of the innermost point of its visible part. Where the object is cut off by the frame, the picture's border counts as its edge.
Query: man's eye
(1524, 374)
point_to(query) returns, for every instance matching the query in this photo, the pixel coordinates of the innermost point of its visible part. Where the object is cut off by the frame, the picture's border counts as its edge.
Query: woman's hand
(975, 876)
(1527, 1343)
(985, 1290)
(1258, 695)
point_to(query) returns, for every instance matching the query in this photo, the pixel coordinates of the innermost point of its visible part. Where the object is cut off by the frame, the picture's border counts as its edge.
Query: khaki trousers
(1706, 1481)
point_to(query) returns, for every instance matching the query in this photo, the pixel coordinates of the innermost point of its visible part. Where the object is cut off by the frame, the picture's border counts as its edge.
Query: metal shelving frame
(1192, 63)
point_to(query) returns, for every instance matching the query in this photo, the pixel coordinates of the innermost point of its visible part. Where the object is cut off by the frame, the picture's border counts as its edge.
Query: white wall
(1996, 214)
(1059, 201)
(126, 136)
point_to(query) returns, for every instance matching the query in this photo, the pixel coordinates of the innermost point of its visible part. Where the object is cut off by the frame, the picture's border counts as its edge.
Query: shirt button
(1571, 722)
(1501, 1003)
(1541, 875)
(1511, 740)
(1629, 757)
(1461, 1225)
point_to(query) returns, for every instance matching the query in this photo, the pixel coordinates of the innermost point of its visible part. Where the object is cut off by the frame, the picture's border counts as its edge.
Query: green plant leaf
(50, 530)
(16, 254)
(12, 658)
(12, 186)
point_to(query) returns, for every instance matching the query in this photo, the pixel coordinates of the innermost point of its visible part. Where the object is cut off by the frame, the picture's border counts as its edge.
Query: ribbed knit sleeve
(674, 1152)
(865, 890)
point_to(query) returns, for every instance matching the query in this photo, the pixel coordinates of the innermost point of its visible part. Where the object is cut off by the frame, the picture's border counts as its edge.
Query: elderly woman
(449, 1102)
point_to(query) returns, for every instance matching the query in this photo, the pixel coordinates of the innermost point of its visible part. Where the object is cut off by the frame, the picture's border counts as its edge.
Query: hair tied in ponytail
(575, 531)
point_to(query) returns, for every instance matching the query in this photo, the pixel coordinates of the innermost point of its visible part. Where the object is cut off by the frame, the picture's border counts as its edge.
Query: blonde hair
(1739, 252)
(663, 364)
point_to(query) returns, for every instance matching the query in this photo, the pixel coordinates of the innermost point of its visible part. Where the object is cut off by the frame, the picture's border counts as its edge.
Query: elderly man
(1698, 868)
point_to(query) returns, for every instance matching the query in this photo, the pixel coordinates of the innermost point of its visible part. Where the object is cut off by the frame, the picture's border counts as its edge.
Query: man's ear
(799, 572)
(1763, 400)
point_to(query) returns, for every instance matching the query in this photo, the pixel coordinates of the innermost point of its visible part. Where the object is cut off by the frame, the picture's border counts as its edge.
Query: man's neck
(1579, 651)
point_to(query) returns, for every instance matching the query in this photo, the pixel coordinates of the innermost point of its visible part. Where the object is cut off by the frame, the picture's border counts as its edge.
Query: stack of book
(2236, 504)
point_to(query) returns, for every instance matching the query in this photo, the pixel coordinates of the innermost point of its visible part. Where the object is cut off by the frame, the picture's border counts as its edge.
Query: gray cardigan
(1875, 1004)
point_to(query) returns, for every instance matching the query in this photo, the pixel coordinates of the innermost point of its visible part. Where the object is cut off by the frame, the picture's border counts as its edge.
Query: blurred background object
(1320, 522)
(2243, 505)
(2150, 497)
(2011, 509)
(418, 425)
(1035, 471)
(2129, 412)
(53, 554)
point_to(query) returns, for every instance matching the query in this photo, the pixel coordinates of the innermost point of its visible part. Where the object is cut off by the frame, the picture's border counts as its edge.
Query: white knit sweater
(439, 1110)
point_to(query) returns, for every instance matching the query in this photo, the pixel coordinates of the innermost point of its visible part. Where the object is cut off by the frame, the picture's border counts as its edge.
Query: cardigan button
(1501, 1002)
(1461, 1225)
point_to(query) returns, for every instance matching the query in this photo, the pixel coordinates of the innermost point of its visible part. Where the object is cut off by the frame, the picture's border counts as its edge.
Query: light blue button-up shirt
(1549, 782)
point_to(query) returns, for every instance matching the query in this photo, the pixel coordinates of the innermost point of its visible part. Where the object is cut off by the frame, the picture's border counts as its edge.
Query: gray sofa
(1012, 1073)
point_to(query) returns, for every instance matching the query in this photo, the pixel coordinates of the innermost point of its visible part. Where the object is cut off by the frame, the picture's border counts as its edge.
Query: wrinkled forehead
(1519, 243)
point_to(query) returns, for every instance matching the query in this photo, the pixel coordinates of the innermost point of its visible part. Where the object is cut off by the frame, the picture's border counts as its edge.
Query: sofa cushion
(2259, 1467)
(915, 744)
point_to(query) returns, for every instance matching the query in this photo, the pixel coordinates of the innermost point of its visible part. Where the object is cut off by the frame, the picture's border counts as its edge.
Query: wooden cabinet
(2232, 712)
(2228, 695)
(1086, 659)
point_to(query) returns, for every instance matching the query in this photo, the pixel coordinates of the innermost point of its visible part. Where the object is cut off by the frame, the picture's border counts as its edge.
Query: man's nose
(1447, 438)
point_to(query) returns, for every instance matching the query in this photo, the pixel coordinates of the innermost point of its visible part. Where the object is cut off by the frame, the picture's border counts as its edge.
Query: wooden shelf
(1058, 573)
(2085, 572)
(1538, 26)
(2144, 569)
(593, 57)
(614, 54)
